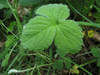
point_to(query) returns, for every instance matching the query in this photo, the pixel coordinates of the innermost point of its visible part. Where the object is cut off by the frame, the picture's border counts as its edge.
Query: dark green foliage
(4, 4)
(7, 13)
(58, 64)
(30, 2)
(67, 63)
(78, 4)
(1, 6)
(98, 2)
(96, 53)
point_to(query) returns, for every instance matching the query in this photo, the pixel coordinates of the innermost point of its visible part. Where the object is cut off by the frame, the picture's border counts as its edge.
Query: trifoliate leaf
(50, 25)
(58, 65)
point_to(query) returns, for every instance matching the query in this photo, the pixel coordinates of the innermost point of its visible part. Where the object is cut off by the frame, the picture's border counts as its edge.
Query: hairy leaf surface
(55, 12)
(68, 36)
(38, 34)
(51, 25)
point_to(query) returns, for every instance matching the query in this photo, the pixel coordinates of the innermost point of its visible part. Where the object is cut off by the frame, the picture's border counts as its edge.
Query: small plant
(50, 25)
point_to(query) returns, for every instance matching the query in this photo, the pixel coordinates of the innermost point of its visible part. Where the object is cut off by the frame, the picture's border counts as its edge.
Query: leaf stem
(87, 23)
(12, 62)
(44, 57)
(8, 29)
(88, 62)
(33, 68)
(83, 54)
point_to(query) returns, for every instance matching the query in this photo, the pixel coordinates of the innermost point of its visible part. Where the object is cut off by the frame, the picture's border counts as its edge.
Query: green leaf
(7, 13)
(68, 37)
(29, 2)
(4, 2)
(5, 61)
(98, 61)
(11, 26)
(61, 53)
(51, 25)
(56, 12)
(58, 64)
(21, 50)
(95, 52)
(8, 48)
(38, 34)
(9, 40)
(67, 63)
(1, 6)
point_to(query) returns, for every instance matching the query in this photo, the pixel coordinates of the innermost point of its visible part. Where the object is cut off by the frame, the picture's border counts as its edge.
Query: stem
(17, 4)
(50, 52)
(86, 23)
(44, 57)
(83, 54)
(88, 62)
(37, 66)
(14, 4)
(14, 11)
(12, 62)
(18, 71)
(82, 15)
